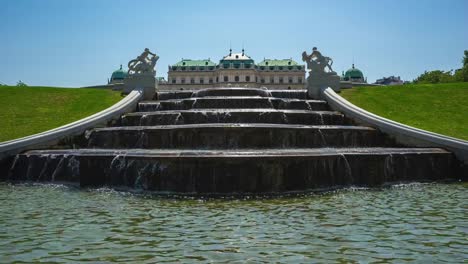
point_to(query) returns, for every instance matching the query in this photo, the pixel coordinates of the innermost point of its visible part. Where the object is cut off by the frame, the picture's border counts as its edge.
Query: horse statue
(316, 62)
(142, 64)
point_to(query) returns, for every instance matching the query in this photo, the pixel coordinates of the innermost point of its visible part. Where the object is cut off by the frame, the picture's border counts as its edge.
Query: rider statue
(143, 58)
(321, 75)
(317, 62)
(143, 63)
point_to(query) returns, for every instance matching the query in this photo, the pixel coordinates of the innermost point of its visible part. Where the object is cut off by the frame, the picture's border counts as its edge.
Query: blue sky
(79, 43)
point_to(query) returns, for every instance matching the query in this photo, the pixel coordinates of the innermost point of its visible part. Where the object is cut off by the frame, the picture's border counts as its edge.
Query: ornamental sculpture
(321, 75)
(143, 64)
(316, 62)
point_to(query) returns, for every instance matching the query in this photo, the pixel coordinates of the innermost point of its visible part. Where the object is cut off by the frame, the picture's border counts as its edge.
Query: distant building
(235, 69)
(392, 80)
(353, 75)
(161, 80)
(117, 76)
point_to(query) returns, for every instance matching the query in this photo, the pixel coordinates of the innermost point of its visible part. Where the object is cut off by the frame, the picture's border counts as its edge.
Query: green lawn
(441, 108)
(29, 110)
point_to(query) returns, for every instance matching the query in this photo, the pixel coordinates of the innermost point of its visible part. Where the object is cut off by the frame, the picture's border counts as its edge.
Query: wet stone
(234, 140)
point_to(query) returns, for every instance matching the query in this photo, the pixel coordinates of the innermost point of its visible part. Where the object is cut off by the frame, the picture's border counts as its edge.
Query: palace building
(237, 70)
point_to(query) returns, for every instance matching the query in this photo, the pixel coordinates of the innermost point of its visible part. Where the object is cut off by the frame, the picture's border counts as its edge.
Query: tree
(460, 75)
(21, 84)
(465, 59)
(434, 77)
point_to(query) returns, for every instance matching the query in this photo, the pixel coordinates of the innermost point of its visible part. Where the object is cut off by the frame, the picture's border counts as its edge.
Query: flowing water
(422, 223)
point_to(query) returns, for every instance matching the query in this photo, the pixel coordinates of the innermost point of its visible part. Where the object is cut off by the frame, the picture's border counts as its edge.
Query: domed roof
(119, 74)
(354, 73)
(241, 57)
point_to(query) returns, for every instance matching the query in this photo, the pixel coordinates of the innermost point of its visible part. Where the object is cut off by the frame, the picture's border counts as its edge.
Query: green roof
(285, 62)
(188, 63)
(119, 74)
(353, 73)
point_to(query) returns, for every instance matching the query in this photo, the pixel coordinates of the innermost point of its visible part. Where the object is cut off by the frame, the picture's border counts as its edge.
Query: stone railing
(403, 134)
(53, 136)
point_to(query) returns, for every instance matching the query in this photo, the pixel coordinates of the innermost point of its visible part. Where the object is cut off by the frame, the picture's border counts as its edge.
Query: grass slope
(29, 110)
(440, 108)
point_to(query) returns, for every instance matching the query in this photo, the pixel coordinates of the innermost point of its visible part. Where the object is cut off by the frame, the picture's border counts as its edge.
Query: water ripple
(403, 223)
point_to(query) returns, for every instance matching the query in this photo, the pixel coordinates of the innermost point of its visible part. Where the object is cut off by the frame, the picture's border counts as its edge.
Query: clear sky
(79, 43)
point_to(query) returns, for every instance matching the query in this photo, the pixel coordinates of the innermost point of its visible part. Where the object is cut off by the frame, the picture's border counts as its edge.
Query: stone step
(230, 135)
(234, 171)
(293, 94)
(181, 94)
(231, 92)
(240, 102)
(199, 116)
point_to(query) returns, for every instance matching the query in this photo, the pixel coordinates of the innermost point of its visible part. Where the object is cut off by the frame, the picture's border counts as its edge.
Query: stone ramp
(234, 171)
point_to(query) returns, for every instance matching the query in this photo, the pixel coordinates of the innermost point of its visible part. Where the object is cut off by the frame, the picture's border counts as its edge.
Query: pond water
(403, 223)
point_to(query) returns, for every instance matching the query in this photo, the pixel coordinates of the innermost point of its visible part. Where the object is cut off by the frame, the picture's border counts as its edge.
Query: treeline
(438, 76)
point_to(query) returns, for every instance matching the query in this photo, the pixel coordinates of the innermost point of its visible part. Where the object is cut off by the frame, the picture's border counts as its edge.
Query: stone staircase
(234, 140)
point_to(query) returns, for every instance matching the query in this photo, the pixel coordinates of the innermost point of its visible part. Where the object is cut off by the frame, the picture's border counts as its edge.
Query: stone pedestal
(147, 82)
(321, 80)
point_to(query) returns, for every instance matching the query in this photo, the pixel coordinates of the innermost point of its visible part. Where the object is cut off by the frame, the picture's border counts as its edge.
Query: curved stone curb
(403, 134)
(51, 137)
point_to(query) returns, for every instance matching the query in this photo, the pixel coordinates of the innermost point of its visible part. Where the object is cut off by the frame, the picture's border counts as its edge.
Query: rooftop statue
(316, 62)
(143, 64)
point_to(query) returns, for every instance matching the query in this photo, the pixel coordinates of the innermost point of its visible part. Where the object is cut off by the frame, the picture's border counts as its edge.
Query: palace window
(173, 80)
(236, 78)
(202, 80)
(192, 80)
(182, 68)
(182, 80)
(280, 68)
(217, 79)
(174, 68)
(272, 68)
(247, 78)
(299, 67)
(290, 80)
(211, 80)
(226, 79)
(281, 80)
(193, 68)
(262, 68)
(262, 80)
(299, 80)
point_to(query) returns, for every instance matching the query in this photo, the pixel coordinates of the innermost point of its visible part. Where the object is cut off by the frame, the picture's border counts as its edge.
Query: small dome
(354, 73)
(118, 74)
